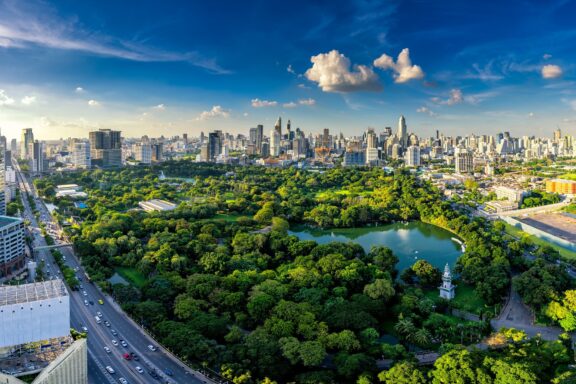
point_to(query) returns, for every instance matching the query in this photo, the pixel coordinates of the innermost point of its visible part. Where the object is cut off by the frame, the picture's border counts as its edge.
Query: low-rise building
(156, 205)
(510, 194)
(561, 186)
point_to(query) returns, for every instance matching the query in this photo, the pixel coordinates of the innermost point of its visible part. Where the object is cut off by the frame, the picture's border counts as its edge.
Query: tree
(427, 274)
(380, 289)
(402, 373)
(458, 366)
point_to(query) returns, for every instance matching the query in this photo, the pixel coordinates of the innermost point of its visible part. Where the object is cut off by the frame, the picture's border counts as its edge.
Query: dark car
(168, 372)
(91, 302)
(154, 374)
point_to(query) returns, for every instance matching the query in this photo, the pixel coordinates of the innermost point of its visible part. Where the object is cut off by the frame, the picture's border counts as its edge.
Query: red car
(127, 356)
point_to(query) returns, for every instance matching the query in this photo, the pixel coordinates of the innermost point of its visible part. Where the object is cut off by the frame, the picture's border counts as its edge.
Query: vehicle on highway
(98, 321)
(114, 332)
(100, 301)
(85, 293)
(85, 329)
(127, 356)
(152, 348)
(153, 373)
(91, 302)
(139, 369)
(107, 323)
(114, 343)
(110, 369)
(168, 372)
(107, 350)
(134, 356)
(123, 380)
(99, 314)
(85, 302)
(124, 344)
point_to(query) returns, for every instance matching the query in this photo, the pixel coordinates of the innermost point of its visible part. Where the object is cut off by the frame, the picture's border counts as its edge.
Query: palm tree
(405, 328)
(422, 337)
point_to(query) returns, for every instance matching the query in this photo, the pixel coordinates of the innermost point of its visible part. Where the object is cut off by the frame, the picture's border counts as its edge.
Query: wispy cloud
(93, 103)
(427, 111)
(79, 90)
(456, 97)
(32, 24)
(5, 99)
(159, 107)
(257, 103)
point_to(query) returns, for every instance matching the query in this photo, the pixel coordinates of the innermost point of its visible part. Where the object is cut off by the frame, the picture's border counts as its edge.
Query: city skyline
(69, 69)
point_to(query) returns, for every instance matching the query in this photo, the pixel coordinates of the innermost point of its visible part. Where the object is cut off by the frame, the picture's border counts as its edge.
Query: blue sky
(145, 67)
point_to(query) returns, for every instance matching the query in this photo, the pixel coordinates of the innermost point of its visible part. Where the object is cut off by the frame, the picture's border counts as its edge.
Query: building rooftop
(26, 293)
(5, 220)
(157, 205)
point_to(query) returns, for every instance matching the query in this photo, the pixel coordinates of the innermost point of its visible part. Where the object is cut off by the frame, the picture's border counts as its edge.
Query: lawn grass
(228, 217)
(132, 275)
(466, 299)
(518, 233)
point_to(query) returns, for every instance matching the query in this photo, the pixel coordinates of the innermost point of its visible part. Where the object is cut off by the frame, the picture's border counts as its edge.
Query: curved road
(99, 335)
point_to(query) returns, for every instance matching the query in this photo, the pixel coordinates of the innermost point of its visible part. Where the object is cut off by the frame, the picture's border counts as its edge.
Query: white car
(110, 369)
(85, 329)
(107, 350)
(124, 344)
(152, 348)
(139, 370)
(123, 380)
(85, 293)
(85, 302)
(99, 314)
(114, 343)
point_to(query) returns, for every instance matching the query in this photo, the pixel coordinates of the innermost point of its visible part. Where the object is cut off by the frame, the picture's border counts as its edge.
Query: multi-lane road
(84, 306)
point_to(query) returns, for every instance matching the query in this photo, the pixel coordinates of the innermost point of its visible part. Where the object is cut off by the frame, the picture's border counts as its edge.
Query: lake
(409, 241)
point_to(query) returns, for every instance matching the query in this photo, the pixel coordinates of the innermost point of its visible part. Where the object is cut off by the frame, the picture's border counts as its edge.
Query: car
(168, 372)
(114, 332)
(124, 344)
(81, 287)
(100, 301)
(152, 348)
(85, 293)
(127, 356)
(123, 380)
(85, 329)
(107, 350)
(85, 302)
(153, 374)
(139, 369)
(91, 302)
(99, 314)
(107, 323)
(110, 369)
(114, 343)
(134, 356)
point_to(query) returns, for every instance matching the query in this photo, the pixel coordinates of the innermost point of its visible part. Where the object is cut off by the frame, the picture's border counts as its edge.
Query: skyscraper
(106, 148)
(25, 141)
(274, 143)
(402, 133)
(278, 126)
(37, 157)
(214, 145)
(463, 160)
(413, 156)
(81, 155)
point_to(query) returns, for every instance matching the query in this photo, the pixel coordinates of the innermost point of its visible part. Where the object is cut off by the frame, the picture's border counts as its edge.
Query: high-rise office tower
(326, 142)
(274, 143)
(371, 139)
(214, 145)
(81, 155)
(37, 157)
(185, 138)
(463, 160)
(413, 156)
(557, 135)
(157, 152)
(106, 148)
(402, 132)
(289, 133)
(142, 153)
(25, 141)
(14, 146)
(278, 126)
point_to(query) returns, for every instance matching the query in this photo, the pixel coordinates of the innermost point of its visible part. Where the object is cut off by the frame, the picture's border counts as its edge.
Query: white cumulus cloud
(79, 90)
(332, 71)
(551, 71)
(159, 107)
(5, 99)
(257, 103)
(28, 100)
(93, 103)
(216, 111)
(403, 69)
